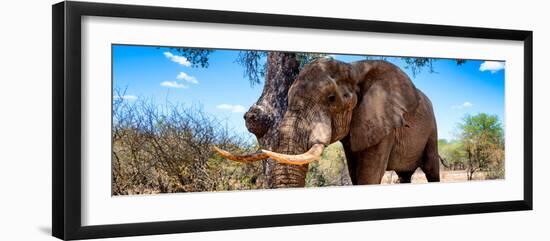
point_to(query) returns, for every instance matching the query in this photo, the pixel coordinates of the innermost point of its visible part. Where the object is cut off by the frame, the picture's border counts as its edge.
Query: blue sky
(222, 90)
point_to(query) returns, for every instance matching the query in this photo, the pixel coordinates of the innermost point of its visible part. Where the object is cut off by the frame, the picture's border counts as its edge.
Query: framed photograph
(171, 120)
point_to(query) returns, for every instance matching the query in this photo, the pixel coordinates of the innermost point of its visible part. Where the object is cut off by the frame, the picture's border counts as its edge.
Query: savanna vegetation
(479, 147)
(158, 149)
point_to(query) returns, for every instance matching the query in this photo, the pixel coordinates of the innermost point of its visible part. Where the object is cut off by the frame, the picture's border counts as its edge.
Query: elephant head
(330, 100)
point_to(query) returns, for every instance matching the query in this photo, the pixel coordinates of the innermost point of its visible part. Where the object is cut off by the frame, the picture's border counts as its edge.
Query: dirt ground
(446, 176)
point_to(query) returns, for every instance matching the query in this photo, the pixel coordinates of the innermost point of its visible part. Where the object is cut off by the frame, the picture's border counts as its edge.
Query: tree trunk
(264, 117)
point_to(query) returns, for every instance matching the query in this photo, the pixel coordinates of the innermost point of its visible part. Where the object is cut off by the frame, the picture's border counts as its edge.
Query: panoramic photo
(195, 120)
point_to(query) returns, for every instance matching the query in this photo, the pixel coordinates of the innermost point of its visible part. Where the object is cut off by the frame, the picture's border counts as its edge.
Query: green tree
(453, 153)
(483, 141)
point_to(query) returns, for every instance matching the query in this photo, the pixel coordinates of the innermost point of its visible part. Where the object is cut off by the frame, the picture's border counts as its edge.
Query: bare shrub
(163, 149)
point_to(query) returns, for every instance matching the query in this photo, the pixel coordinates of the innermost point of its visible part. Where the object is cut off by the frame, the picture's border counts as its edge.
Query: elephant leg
(350, 159)
(430, 166)
(372, 162)
(405, 177)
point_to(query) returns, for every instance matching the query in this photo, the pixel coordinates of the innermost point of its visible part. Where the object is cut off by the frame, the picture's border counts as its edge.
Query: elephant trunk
(285, 175)
(302, 139)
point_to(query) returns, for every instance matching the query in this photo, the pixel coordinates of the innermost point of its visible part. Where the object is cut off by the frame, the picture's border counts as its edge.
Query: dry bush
(168, 149)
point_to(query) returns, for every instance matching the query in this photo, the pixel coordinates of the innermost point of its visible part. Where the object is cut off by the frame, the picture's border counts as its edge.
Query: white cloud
(126, 97)
(178, 59)
(173, 84)
(188, 78)
(232, 108)
(493, 66)
(463, 105)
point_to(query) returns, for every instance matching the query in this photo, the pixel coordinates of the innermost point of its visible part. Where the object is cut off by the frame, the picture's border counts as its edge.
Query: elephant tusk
(241, 158)
(313, 154)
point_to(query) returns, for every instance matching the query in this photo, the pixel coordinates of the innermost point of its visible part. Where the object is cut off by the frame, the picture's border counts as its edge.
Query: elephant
(371, 106)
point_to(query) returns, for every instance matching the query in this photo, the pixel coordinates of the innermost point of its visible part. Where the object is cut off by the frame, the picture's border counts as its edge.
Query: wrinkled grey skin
(373, 108)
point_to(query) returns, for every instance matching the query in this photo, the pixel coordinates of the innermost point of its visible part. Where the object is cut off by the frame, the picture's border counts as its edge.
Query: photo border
(66, 119)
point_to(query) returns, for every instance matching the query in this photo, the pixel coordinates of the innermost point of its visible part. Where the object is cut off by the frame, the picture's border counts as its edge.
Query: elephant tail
(443, 161)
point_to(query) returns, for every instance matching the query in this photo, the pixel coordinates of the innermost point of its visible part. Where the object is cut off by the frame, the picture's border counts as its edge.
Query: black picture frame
(66, 185)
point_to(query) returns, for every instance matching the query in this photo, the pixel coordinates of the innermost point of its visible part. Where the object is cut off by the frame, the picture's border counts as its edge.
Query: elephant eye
(331, 98)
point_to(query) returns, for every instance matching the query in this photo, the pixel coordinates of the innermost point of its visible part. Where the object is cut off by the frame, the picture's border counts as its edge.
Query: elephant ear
(387, 96)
